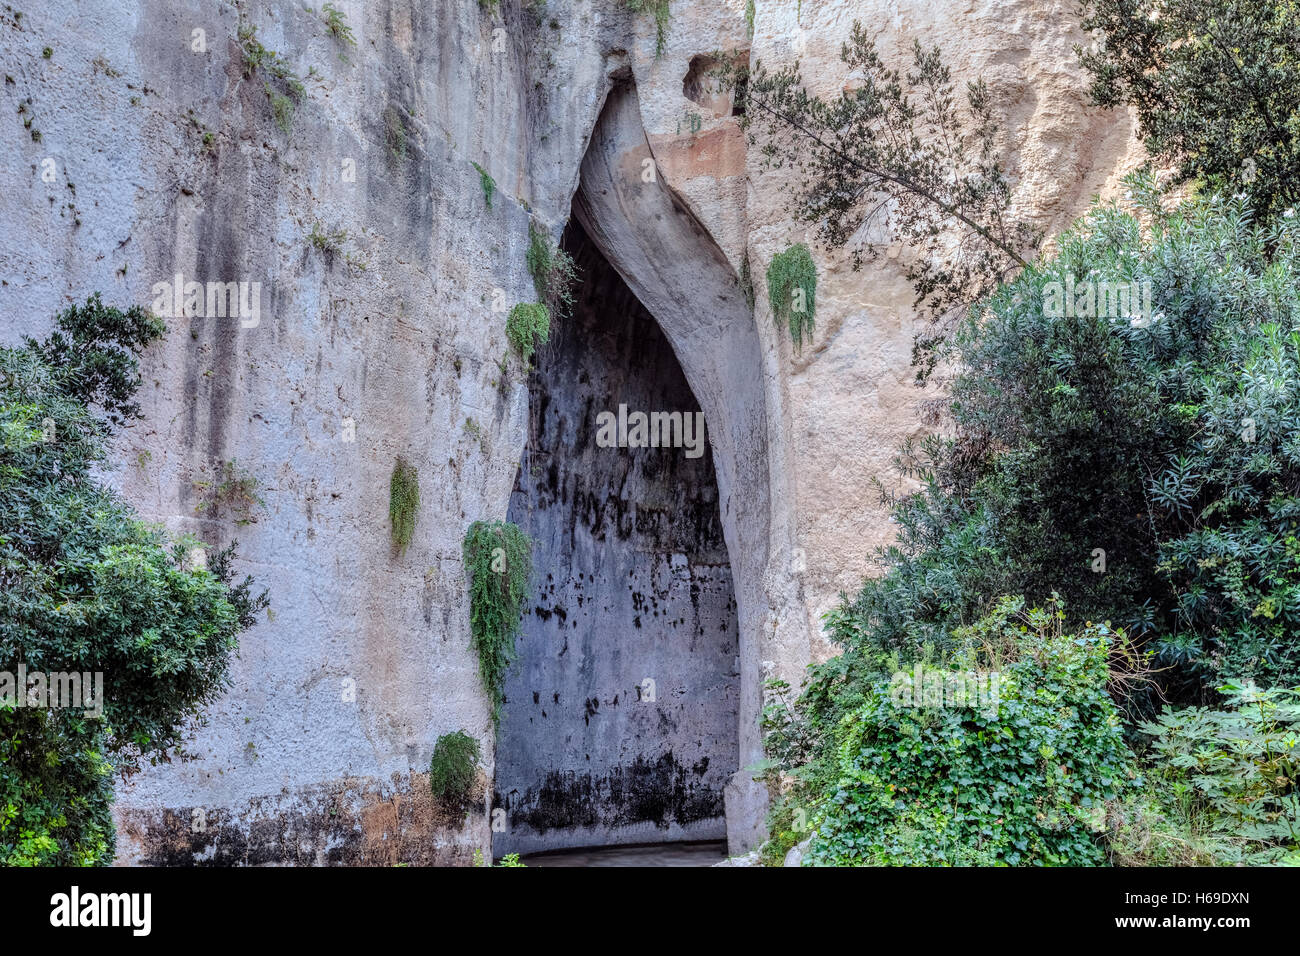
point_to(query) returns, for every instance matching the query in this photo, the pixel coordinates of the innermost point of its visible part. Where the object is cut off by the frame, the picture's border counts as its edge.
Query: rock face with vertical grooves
(151, 153)
(620, 720)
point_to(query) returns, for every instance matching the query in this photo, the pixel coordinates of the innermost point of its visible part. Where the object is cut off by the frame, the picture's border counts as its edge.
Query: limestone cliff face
(152, 152)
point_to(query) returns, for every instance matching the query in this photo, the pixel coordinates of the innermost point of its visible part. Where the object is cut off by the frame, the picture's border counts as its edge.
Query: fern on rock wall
(498, 563)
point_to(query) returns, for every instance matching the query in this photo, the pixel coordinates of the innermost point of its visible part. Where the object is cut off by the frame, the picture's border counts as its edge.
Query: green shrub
(553, 271)
(1022, 776)
(403, 503)
(86, 587)
(792, 292)
(498, 563)
(1223, 785)
(1141, 466)
(1215, 86)
(528, 325)
(452, 769)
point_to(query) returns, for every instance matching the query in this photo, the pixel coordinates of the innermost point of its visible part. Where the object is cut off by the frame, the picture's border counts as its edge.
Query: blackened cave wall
(632, 600)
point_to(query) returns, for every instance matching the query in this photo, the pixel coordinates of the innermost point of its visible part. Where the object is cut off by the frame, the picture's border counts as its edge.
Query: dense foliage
(1224, 785)
(86, 587)
(1140, 459)
(1215, 84)
(498, 563)
(1023, 778)
(528, 326)
(553, 270)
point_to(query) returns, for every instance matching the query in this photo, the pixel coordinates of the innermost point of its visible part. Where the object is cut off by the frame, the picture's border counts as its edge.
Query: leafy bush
(527, 326)
(1139, 464)
(1023, 780)
(1216, 88)
(498, 562)
(792, 291)
(403, 503)
(87, 587)
(1139, 460)
(1224, 785)
(452, 769)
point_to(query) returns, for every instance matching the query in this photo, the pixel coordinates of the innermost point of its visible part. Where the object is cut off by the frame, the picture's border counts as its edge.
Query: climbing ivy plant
(498, 563)
(403, 503)
(792, 291)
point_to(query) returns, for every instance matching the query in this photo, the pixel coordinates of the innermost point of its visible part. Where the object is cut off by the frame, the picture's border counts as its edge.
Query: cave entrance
(621, 715)
(659, 514)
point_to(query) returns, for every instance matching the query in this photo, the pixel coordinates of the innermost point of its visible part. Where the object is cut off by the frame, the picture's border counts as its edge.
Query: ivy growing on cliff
(498, 564)
(792, 292)
(486, 183)
(661, 14)
(403, 503)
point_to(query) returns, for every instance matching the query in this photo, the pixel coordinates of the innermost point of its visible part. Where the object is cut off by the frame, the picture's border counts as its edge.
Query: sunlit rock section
(620, 721)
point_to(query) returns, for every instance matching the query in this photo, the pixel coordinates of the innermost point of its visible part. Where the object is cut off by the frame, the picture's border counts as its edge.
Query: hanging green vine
(498, 563)
(792, 292)
(403, 503)
(662, 15)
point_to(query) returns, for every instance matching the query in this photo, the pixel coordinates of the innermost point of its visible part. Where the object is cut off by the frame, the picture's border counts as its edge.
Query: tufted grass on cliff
(498, 562)
(553, 270)
(337, 22)
(403, 503)
(792, 292)
(488, 184)
(527, 326)
(257, 57)
(452, 769)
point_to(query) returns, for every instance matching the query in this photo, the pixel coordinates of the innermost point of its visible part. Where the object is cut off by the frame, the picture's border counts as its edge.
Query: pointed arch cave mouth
(632, 706)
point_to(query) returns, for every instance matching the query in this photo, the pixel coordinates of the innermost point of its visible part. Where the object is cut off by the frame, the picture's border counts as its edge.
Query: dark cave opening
(620, 723)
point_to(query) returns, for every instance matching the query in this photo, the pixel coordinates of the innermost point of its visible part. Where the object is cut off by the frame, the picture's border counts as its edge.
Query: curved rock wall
(151, 153)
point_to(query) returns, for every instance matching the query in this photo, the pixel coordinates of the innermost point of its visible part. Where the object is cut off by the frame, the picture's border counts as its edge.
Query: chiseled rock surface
(156, 155)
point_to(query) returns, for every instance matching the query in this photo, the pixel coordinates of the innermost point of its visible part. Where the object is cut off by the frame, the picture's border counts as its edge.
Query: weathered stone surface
(407, 347)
